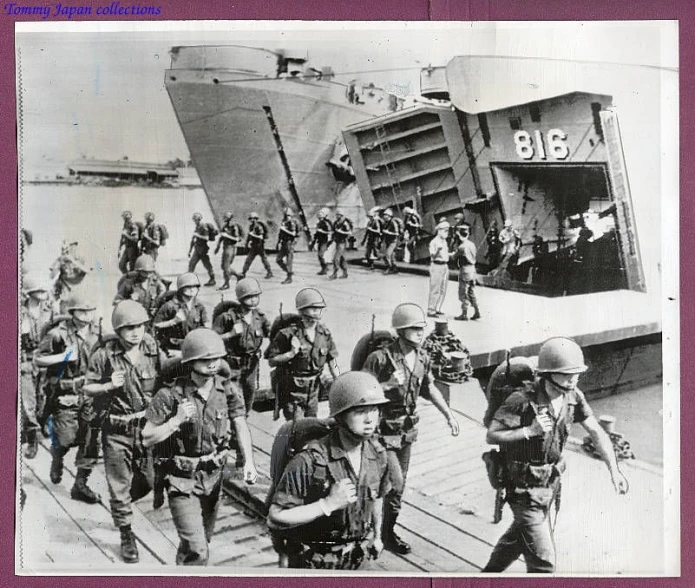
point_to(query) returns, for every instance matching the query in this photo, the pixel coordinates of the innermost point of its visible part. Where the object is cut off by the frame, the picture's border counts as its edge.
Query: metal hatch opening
(568, 230)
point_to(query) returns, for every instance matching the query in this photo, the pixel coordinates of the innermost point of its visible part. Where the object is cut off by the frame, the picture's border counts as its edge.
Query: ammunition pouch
(186, 467)
(319, 555)
(70, 385)
(494, 467)
(125, 424)
(520, 474)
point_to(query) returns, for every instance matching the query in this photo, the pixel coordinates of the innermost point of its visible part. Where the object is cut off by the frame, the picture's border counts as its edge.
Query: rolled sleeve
(293, 487)
(582, 410)
(161, 409)
(235, 401)
(97, 370)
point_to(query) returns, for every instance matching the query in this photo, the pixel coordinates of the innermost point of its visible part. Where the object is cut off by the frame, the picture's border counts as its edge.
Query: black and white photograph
(348, 298)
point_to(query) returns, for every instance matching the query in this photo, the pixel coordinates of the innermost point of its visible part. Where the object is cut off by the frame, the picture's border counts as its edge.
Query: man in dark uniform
(494, 246)
(404, 370)
(151, 238)
(191, 420)
(454, 239)
(322, 238)
(123, 376)
(412, 228)
(531, 428)
(391, 233)
(372, 238)
(64, 352)
(180, 315)
(255, 245)
(143, 285)
(34, 316)
(129, 243)
(243, 329)
(300, 351)
(466, 255)
(342, 231)
(199, 249)
(287, 237)
(230, 235)
(68, 270)
(328, 502)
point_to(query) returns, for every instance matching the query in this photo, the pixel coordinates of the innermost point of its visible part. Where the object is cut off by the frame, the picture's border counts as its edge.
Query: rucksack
(366, 345)
(212, 231)
(510, 375)
(223, 307)
(163, 234)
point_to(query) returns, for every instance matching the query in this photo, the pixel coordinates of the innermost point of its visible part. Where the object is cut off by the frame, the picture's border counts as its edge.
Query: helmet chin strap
(559, 386)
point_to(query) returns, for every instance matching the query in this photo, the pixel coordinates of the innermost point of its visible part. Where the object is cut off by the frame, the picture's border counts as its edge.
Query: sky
(97, 89)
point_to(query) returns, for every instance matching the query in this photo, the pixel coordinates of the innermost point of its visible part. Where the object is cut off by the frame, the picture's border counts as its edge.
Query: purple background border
(682, 10)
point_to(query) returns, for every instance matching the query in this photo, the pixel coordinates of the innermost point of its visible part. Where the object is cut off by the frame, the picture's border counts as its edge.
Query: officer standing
(35, 315)
(404, 370)
(199, 249)
(289, 229)
(151, 239)
(142, 285)
(391, 232)
(372, 238)
(466, 256)
(300, 351)
(180, 315)
(342, 230)
(255, 245)
(129, 244)
(531, 428)
(328, 502)
(123, 377)
(64, 352)
(412, 227)
(454, 239)
(439, 270)
(322, 238)
(230, 235)
(192, 420)
(243, 329)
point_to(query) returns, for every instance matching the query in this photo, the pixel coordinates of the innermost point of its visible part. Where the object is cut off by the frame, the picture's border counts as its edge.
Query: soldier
(372, 238)
(35, 315)
(123, 375)
(255, 245)
(494, 247)
(192, 419)
(243, 329)
(199, 249)
(322, 238)
(64, 351)
(328, 502)
(142, 285)
(454, 241)
(403, 368)
(342, 230)
(289, 229)
(510, 239)
(439, 270)
(466, 256)
(180, 315)
(68, 270)
(229, 239)
(301, 350)
(129, 243)
(411, 231)
(391, 232)
(531, 428)
(151, 239)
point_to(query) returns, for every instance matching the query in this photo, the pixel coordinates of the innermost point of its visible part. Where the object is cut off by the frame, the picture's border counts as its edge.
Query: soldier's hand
(543, 423)
(620, 483)
(186, 411)
(180, 316)
(296, 345)
(453, 425)
(118, 379)
(376, 548)
(341, 495)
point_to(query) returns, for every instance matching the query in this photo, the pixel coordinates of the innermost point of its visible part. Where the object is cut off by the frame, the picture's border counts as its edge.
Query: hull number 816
(554, 143)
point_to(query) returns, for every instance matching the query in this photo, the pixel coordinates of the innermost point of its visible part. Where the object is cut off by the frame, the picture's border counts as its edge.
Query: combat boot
(394, 543)
(288, 279)
(476, 315)
(322, 272)
(269, 275)
(80, 491)
(333, 276)
(129, 547)
(56, 465)
(224, 286)
(32, 447)
(211, 281)
(344, 275)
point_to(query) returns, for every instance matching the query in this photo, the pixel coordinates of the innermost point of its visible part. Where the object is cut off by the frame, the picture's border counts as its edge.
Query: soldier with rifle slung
(129, 245)
(255, 245)
(322, 238)
(230, 235)
(289, 229)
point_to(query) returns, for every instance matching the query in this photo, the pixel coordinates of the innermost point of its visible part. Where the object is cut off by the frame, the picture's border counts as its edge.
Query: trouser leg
(290, 259)
(250, 256)
(280, 258)
(249, 384)
(187, 513)
(264, 260)
(392, 500)
(29, 400)
(437, 277)
(472, 298)
(118, 465)
(444, 287)
(209, 506)
(205, 258)
(226, 265)
(193, 261)
(320, 254)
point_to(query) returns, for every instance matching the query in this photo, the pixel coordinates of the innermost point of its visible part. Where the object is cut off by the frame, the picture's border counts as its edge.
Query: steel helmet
(561, 356)
(247, 287)
(128, 313)
(202, 344)
(354, 389)
(387, 212)
(507, 223)
(323, 213)
(149, 216)
(127, 214)
(459, 216)
(408, 315)
(32, 284)
(144, 263)
(308, 298)
(227, 215)
(78, 301)
(197, 216)
(408, 210)
(187, 279)
(253, 215)
(339, 213)
(289, 212)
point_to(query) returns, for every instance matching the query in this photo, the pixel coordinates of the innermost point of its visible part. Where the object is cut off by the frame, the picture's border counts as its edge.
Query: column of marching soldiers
(167, 397)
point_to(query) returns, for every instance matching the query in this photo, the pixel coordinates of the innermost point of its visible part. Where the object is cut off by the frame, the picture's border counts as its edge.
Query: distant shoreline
(110, 184)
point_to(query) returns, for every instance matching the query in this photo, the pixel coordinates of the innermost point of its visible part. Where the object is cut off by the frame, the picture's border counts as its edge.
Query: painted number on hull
(554, 142)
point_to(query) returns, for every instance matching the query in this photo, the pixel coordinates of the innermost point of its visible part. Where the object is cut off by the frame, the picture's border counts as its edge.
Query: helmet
(78, 302)
(354, 389)
(339, 213)
(149, 216)
(323, 213)
(561, 356)
(227, 215)
(128, 314)
(31, 284)
(127, 214)
(144, 263)
(187, 279)
(309, 297)
(202, 344)
(408, 315)
(408, 210)
(442, 225)
(387, 212)
(247, 287)
(289, 212)
(507, 223)
(459, 216)
(253, 215)
(197, 216)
